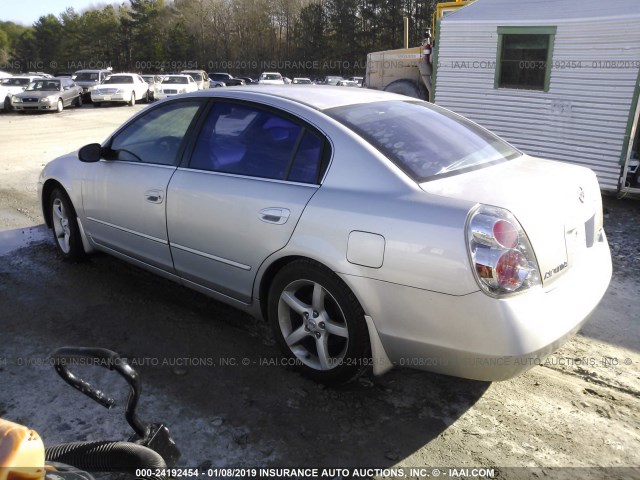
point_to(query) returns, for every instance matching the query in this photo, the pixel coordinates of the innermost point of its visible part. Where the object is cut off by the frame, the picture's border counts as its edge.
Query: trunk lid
(558, 205)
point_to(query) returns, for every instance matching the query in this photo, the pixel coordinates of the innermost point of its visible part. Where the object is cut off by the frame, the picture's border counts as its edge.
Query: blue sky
(29, 11)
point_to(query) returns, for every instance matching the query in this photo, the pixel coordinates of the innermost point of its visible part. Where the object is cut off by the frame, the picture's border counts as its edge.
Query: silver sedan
(371, 230)
(52, 94)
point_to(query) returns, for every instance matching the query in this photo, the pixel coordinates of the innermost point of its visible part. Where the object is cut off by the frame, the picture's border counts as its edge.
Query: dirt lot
(210, 372)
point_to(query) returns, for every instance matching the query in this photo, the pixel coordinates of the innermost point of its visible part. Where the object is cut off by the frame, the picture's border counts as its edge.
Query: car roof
(314, 96)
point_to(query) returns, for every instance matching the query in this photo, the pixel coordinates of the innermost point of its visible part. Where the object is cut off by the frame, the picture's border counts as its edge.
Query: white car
(370, 229)
(200, 76)
(12, 85)
(4, 74)
(271, 78)
(154, 85)
(121, 87)
(175, 85)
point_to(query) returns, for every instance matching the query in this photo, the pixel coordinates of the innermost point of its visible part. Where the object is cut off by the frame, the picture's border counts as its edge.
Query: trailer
(558, 79)
(409, 70)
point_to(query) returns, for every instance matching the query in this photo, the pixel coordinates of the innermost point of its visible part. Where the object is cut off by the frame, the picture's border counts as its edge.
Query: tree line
(295, 37)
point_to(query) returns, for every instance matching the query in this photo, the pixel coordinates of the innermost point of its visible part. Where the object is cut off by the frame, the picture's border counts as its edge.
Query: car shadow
(611, 322)
(210, 372)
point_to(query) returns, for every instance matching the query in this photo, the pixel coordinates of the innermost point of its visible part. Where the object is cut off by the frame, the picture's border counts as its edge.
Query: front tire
(7, 104)
(408, 88)
(318, 323)
(79, 101)
(60, 106)
(66, 232)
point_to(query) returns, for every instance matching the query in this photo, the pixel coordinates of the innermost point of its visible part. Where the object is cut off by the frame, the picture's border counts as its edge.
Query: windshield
(15, 82)
(271, 76)
(86, 77)
(175, 80)
(119, 79)
(422, 139)
(220, 77)
(44, 85)
(196, 76)
(148, 79)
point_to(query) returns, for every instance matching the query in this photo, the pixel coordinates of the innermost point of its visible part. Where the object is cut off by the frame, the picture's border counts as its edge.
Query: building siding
(581, 119)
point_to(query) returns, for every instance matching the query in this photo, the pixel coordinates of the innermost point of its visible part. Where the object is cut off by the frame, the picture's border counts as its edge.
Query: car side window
(246, 140)
(155, 137)
(308, 160)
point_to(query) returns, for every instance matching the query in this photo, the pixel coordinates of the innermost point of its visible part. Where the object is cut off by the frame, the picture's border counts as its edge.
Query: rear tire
(408, 88)
(66, 232)
(132, 102)
(318, 323)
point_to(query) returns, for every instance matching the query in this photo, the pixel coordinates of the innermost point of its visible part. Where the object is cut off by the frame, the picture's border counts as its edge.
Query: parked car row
(103, 85)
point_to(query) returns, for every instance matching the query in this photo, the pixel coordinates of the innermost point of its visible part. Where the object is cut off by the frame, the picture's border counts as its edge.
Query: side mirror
(90, 153)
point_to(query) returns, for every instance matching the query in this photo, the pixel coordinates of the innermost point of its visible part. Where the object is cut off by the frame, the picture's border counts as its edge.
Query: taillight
(500, 252)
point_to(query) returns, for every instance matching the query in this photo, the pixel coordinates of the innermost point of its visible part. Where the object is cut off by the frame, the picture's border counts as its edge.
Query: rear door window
(247, 140)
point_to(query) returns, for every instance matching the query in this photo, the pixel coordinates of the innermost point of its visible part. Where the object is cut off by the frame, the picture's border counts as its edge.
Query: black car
(227, 78)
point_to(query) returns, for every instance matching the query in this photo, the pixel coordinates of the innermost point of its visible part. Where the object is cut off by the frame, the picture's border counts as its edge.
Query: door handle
(154, 196)
(275, 215)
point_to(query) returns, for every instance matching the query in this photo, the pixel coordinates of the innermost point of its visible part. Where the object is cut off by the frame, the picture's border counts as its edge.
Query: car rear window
(424, 140)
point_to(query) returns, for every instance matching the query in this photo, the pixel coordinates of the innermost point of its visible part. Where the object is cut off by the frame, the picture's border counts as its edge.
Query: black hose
(105, 456)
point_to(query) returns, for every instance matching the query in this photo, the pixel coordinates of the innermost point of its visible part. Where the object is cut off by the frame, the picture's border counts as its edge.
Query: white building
(559, 79)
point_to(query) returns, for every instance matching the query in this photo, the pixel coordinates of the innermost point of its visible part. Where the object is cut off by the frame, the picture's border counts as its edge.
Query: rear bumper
(479, 337)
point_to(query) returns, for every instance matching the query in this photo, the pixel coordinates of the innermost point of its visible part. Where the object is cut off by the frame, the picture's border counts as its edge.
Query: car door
(250, 176)
(141, 87)
(124, 194)
(192, 85)
(68, 94)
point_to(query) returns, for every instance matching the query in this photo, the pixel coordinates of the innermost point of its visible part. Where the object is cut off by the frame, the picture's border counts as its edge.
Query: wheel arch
(408, 87)
(45, 201)
(265, 280)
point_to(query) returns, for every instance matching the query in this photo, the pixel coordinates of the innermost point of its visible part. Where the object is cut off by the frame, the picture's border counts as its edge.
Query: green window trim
(627, 143)
(550, 31)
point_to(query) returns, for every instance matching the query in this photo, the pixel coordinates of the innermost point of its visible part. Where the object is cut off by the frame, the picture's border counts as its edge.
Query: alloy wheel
(313, 325)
